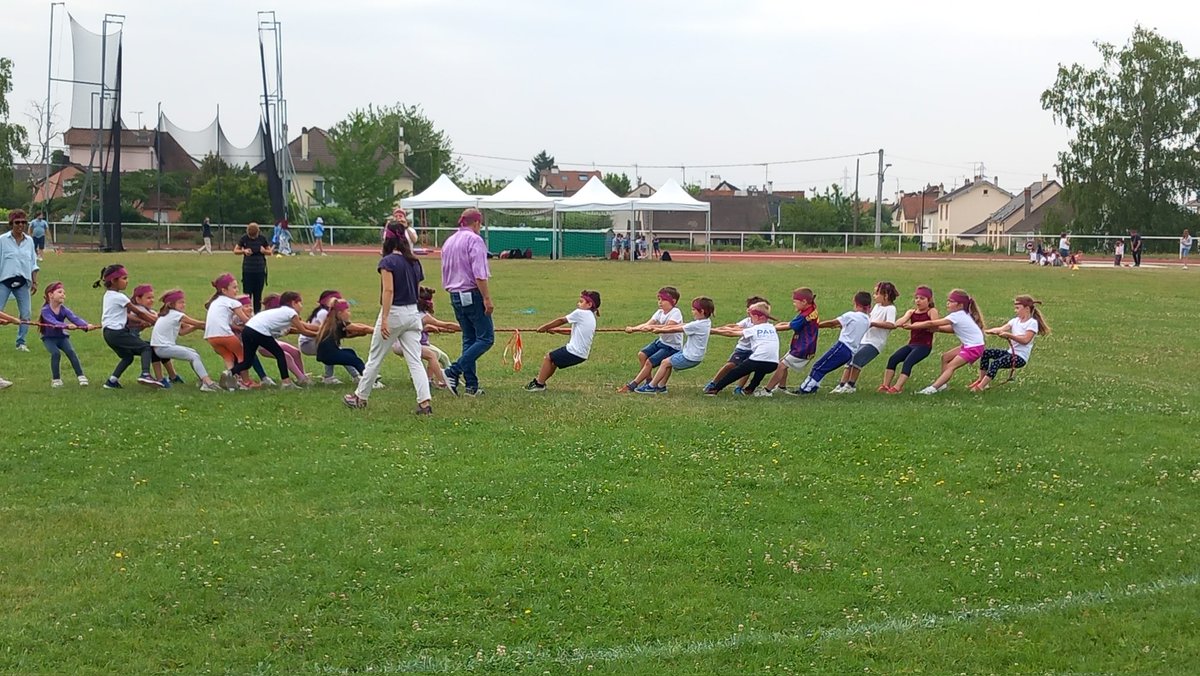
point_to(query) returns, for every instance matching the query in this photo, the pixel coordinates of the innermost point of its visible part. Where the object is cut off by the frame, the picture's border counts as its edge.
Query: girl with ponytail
(1020, 332)
(966, 323)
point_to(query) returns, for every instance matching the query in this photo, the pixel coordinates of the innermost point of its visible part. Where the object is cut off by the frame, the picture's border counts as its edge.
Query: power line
(640, 165)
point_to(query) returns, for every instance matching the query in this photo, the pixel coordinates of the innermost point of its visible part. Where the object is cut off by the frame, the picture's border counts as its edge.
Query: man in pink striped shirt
(465, 276)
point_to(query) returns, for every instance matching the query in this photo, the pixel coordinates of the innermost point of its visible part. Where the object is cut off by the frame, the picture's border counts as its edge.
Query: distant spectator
(254, 249)
(37, 230)
(1135, 247)
(1185, 247)
(285, 238)
(18, 270)
(1118, 252)
(206, 235)
(318, 234)
(656, 247)
(1064, 245)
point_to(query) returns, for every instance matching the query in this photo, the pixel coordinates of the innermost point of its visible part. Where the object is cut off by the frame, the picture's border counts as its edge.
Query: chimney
(554, 169)
(1045, 180)
(1028, 198)
(304, 143)
(714, 180)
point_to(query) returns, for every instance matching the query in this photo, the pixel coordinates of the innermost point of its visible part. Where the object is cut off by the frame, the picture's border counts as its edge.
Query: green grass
(1048, 525)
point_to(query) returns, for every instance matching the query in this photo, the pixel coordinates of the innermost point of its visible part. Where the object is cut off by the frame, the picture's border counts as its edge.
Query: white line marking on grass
(502, 655)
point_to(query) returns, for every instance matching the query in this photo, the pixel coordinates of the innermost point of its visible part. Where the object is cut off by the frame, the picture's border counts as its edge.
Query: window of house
(319, 190)
(985, 191)
(391, 190)
(583, 178)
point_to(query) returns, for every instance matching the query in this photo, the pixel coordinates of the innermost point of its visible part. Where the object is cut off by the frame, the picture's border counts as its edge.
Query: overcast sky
(697, 83)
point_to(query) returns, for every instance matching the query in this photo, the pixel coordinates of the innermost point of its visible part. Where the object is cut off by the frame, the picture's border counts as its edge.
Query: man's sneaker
(83, 381)
(647, 389)
(112, 384)
(535, 386)
(289, 385)
(22, 348)
(762, 392)
(739, 390)
(354, 401)
(165, 383)
(268, 382)
(149, 381)
(474, 392)
(178, 379)
(57, 382)
(330, 380)
(423, 410)
(210, 387)
(929, 390)
(452, 383)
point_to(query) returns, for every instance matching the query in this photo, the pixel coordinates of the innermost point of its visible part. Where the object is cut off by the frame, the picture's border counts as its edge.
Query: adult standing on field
(254, 250)
(1185, 247)
(1135, 247)
(18, 270)
(465, 276)
(37, 228)
(206, 235)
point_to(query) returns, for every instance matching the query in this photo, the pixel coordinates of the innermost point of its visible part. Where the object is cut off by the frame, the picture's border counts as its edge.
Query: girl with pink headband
(114, 317)
(920, 343)
(172, 322)
(143, 297)
(223, 309)
(56, 320)
(965, 321)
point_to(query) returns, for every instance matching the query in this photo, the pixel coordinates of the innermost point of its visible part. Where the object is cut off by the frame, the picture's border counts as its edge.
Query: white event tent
(594, 197)
(441, 194)
(672, 197)
(519, 195)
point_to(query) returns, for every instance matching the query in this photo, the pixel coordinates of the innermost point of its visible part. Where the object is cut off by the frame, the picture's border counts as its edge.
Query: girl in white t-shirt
(164, 338)
(966, 323)
(695, 345)
(262, 330)
(224, 309)
(1020, 332)
(883, 320)
(583, 329)
(113, 317)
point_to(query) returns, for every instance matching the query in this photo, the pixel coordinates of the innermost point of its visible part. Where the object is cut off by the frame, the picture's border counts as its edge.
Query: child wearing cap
(223, 308)
(660, 348)
(114, 314)
(1020, 331)
(854, 326)
(883, 320)
(741, 350)
(920, 342)
(56, 319)
(172, 322)
(764, 352)
(966, 322)
(804, 337)
(583, 329)
(695, 345)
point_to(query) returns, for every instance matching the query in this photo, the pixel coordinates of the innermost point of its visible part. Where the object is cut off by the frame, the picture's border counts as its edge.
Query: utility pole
(879, 200)
(857, 167)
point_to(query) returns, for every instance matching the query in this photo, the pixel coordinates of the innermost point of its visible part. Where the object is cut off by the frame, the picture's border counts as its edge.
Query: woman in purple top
(55, 321)
(400, 276)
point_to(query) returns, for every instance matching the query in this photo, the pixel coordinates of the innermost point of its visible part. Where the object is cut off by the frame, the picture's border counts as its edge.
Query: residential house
(1024, 213)
(965, 207)
(913, 208)
(308, 152)
(137, 150)
(555, 182)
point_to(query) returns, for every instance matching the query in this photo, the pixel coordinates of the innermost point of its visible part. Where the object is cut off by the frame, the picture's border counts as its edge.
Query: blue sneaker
(452, 383)
(662, 390)
(111, 384)
(647, 389)
(178, 379)
(739, 391)
(166, 383)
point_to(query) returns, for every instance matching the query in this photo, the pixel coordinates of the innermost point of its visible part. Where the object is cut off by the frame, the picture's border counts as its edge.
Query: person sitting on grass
(583, 329)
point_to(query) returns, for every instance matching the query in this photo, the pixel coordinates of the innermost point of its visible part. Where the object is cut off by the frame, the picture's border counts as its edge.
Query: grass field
(1047, 525)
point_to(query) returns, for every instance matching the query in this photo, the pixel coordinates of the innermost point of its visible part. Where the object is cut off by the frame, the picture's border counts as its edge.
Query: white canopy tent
(594, 197)
(673, 197)
(441, 194)
(519, 195)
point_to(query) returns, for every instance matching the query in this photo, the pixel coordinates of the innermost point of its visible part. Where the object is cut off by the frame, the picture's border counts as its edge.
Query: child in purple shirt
(56, 320)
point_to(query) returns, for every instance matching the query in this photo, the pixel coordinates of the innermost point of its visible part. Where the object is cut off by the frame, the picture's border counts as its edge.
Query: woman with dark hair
(254, 250)
(400, 278)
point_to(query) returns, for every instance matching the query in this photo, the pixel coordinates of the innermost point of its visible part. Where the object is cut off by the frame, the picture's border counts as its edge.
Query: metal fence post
(845, 243)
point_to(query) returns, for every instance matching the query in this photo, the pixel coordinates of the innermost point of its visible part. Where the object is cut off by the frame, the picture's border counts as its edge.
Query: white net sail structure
(211, 140)
(94, 57)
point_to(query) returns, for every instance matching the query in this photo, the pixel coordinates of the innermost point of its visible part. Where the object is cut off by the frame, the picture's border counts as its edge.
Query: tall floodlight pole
(46, 193)
(879, 200)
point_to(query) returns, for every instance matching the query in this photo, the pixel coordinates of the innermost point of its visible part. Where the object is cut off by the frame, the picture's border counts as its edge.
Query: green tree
(236, 195)
(618, 183)
(362, 177)
(542, 160)
(482, 186)
(1135, 154)
(830, 211)
(14, 142)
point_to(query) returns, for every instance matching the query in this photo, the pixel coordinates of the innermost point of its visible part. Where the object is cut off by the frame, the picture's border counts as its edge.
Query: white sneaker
(22, 348)
(83, 381)
(267, 382)
(311, 253)
(210, 387)
(378, 385)
(57, 382)
(849, 389)
(227, 380)
(5, 383)
(839, 389)
(762, 392)
(331, 380)
(930, 390)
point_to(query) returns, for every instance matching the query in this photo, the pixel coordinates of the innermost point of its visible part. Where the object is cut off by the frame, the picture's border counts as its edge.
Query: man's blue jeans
(23, 308)
(478, 336)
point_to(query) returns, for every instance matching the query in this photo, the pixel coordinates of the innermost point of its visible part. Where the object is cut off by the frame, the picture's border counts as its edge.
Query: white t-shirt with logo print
(764, 341)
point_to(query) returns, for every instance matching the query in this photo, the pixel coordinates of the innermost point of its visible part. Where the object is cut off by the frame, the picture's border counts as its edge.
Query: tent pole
(708, 237)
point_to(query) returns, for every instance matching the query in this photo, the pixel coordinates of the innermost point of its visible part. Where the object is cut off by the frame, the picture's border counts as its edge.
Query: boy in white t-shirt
(883, 320)
(694, 347)
(854, 326)
(741, 350)
(661, 348)
(583, 329)
(764, 352)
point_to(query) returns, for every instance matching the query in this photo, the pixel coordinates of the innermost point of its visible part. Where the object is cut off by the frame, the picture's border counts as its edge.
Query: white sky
(938, 85)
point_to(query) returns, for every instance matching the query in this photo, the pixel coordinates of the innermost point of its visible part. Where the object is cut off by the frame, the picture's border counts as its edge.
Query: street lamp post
(879, 199)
